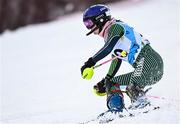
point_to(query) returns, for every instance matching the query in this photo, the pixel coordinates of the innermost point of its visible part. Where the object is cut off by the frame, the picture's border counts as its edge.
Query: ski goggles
(88, 23)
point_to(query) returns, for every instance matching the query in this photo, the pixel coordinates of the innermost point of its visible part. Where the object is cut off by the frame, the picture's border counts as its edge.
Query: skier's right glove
(100, 88)
(87, 64)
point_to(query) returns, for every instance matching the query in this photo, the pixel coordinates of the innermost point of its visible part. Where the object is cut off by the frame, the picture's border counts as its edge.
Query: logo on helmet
(102, 8)
(98, 17)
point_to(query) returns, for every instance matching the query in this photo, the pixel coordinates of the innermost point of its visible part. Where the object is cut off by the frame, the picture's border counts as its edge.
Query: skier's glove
(100, 88)
(87, 64)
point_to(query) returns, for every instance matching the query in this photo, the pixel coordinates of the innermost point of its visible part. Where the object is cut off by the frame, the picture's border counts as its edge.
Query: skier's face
(88, 23)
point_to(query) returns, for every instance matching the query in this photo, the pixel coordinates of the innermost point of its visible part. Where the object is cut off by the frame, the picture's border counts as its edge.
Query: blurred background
(40, 80)
(18, 13)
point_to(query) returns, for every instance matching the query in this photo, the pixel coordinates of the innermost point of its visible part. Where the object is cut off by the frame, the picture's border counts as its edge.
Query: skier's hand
(87, 64)
(100, 88)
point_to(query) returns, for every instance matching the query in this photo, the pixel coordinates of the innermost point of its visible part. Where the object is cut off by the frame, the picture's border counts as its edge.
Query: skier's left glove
(87, 64)
(100, 88)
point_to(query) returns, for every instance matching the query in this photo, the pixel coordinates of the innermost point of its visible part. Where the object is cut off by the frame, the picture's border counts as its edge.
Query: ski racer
(123, 42)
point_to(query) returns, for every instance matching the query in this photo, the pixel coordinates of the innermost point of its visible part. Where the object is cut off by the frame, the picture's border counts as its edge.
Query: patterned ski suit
(123, 41)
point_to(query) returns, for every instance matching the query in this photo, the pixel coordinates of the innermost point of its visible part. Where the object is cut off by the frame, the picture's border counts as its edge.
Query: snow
(40, 67)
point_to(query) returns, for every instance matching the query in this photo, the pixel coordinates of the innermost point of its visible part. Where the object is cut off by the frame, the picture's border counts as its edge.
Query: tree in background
(18, 13)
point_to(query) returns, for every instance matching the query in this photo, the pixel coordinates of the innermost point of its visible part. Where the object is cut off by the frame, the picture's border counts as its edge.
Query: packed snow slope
(40, 76)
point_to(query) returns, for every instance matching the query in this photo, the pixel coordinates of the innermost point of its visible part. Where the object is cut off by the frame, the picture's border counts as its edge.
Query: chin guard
(92, 31)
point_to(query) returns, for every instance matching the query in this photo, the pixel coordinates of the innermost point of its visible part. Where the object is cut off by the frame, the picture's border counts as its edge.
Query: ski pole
(88, 72)
(105, 62)
(163, 98)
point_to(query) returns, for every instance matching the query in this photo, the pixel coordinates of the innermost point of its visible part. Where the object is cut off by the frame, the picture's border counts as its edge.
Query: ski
(141, 106)
(109, 116)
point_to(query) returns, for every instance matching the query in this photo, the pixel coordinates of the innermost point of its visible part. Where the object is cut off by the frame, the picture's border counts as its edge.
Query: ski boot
(115, 104)
(115, 99)
(137, 96)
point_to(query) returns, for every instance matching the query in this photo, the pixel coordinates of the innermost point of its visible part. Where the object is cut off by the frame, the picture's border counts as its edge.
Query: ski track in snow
(40, 68)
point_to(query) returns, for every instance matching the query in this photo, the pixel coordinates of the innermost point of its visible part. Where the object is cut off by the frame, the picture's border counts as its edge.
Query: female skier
(124, 43)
